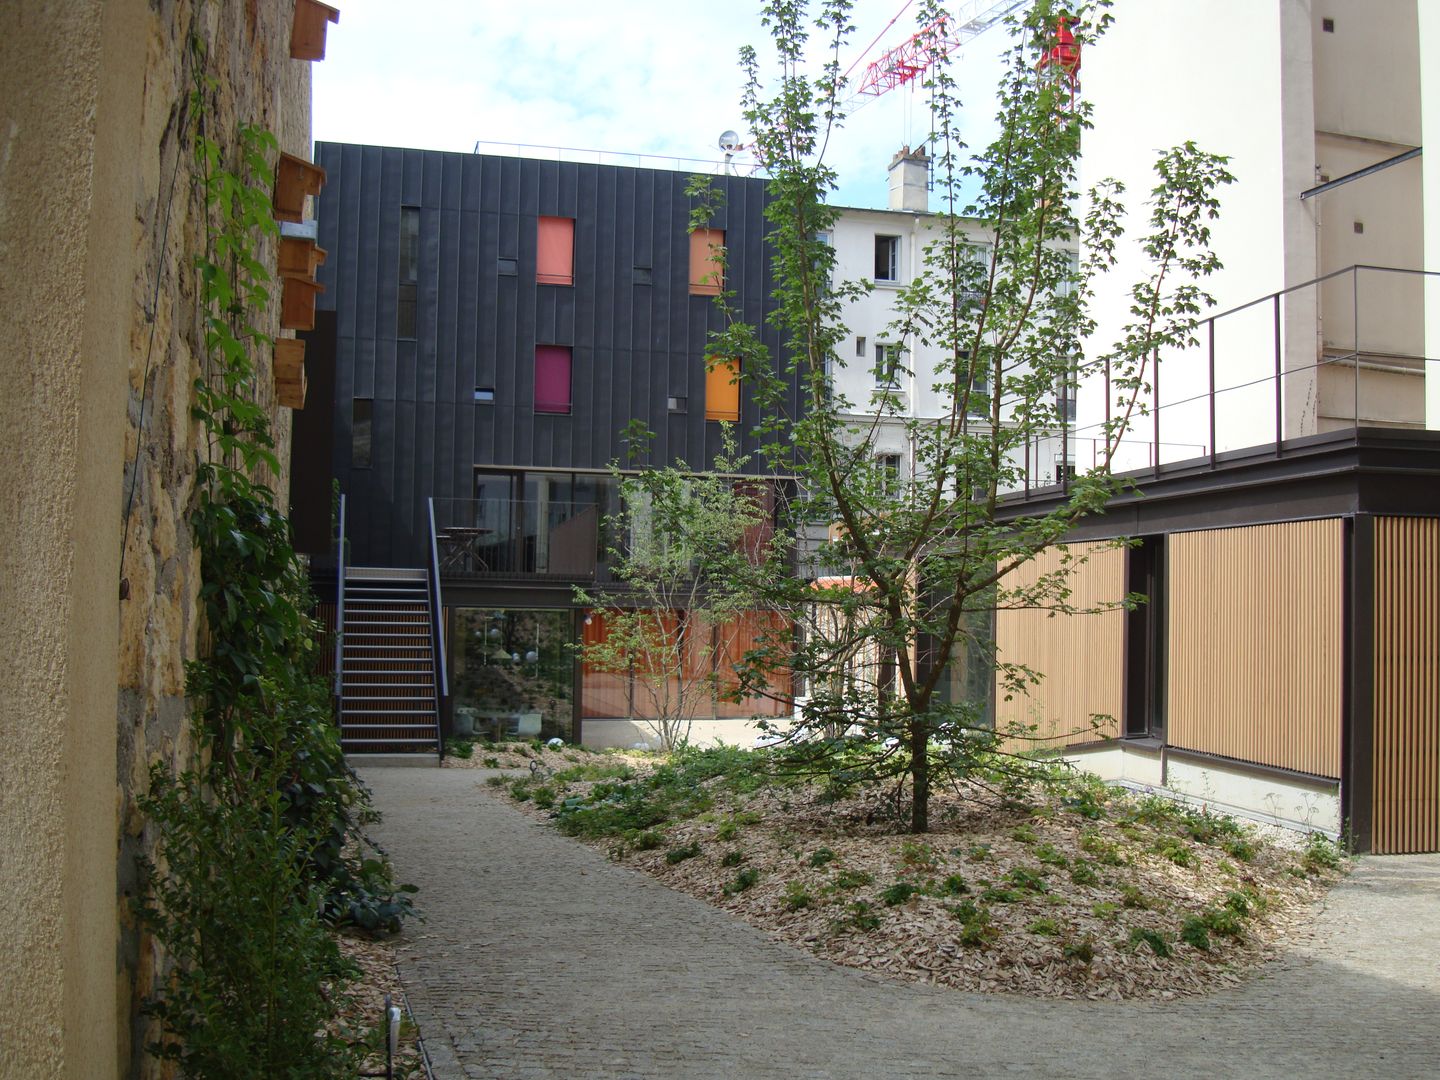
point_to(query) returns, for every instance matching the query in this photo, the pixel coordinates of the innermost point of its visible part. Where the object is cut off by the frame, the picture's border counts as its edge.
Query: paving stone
(540, 958)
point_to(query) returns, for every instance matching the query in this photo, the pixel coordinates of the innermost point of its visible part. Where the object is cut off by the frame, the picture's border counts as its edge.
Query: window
(887, 258)
(675, 404)
(707, 265)
(889, 472)
(859, 346)
(362, 411)
(1065, 399)
(887, 365)
(552, 379)
(484, 395)
(978, 402)
(507, 267)
(722, 390)
(409, 271)
(555, 252)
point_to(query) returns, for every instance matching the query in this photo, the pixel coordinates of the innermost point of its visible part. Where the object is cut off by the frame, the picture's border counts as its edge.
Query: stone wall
(100, 218)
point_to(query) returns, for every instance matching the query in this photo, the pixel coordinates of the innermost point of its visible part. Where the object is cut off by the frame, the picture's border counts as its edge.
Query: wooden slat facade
(1406, 750)
(1256, 644)
(1082, 656)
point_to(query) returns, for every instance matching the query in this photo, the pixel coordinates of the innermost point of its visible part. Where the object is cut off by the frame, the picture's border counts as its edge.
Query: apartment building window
(409, 271)
(362, 411)
(1065, 400)
(889, 473)
(860, 345)
(887, 258)
(552, 379)
(722, 390)
(977, 402)
(555, 251)
(707, 265)
(887, 365)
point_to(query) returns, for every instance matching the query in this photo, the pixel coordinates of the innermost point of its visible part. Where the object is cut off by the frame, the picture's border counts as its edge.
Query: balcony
(561, 540)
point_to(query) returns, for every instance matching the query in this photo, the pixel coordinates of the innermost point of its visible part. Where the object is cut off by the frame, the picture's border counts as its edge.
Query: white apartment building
(1321, 106)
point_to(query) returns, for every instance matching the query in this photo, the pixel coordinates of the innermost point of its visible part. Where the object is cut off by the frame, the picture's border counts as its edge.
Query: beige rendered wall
(1429, 30)
(91, 131)
(70, 87)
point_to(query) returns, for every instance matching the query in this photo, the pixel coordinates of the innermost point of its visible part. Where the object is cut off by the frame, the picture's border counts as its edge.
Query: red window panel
(552, 378)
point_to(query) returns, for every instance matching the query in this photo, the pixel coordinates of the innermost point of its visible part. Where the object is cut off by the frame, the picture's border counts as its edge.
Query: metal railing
(437, 634)
(339, 603)
(529, 537)
(1308, 342)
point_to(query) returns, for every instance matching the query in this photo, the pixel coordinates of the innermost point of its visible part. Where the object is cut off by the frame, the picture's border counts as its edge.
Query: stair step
(345, 710)
(387, 633)
(389, 685)
(370, 573)
(430, 743)
(367, 600)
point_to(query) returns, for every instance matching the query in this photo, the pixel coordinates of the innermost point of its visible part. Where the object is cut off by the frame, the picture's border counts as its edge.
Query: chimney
(910, 180)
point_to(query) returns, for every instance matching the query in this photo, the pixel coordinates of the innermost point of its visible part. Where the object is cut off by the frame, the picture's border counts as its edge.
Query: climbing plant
(261, 841)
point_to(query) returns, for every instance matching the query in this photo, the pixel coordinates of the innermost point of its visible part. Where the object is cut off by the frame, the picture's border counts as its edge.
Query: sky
(653, 77)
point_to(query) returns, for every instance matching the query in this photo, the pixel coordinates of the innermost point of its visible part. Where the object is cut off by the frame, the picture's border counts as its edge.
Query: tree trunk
(920, 775)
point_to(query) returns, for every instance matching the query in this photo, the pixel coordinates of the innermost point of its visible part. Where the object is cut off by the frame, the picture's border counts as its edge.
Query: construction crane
(910, 60)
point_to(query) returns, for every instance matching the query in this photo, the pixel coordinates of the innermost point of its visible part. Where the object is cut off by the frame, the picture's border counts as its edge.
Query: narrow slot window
(408, 272)
(555, 251)
(484, 395)
(362, 411)
(552, 379)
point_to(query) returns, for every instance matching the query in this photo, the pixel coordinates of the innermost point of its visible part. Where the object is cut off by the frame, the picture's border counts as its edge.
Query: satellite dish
(730, 141)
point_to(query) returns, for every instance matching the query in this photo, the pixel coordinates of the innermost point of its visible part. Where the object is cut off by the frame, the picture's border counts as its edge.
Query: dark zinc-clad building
(489, 328)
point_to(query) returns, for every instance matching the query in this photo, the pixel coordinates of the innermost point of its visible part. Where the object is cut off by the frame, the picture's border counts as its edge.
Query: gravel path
(540, 958)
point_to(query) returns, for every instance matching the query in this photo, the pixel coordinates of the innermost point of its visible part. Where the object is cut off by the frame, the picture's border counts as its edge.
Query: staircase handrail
(340, 599)
(437, 634)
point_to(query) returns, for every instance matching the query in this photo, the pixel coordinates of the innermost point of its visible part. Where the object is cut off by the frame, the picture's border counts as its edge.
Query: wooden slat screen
(1256, 636)
(1081, 656)
(1405, 804)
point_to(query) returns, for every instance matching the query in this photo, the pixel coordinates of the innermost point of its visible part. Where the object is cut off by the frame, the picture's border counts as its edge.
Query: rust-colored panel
(722, 391)
(1256, 637)
(707, 270)
(555, 251)
(1405, 806)
(1082, 656)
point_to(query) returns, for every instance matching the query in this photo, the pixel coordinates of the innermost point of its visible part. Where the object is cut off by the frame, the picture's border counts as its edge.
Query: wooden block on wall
(307, 29)
(289, 371)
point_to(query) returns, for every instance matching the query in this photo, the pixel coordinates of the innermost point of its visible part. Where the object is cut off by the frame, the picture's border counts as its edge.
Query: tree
(926, 560)
(689, 551)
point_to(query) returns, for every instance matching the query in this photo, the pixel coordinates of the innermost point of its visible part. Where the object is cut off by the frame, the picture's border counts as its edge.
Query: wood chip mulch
(831, 877)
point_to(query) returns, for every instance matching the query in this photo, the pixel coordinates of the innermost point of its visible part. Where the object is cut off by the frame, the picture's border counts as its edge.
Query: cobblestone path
(540, 958)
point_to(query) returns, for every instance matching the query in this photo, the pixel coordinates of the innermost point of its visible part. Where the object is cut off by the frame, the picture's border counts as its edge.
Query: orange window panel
(555, 254)
(707, 270)
(722, 391)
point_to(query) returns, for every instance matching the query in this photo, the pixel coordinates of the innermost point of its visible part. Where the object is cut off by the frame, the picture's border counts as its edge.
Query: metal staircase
(389, 691)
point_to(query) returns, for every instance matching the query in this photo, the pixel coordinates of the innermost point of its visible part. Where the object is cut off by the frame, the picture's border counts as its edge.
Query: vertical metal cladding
(1256, 644)
(1081, 656)
(494, 236)
(1406, 789)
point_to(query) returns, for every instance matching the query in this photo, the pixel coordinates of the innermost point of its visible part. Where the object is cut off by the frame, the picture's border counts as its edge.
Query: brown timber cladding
(1256, 637)
(1406, 800)
(1082, 656)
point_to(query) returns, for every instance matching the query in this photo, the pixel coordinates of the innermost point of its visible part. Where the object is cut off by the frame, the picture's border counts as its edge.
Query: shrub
(648, 840)
(732, 858)
(1195, 933)
(851, 879)
(953, 885)
(1107, 910)
(680, 854)
(998, 895)
(1132, 897)
(1320, 854)
(1048, 854)
(1024, 834)
(1242, 848)
(862, 916)
(820, 856)
(743, 880)
(1081, 949)
(460, 748)
(898, 893)
(1174, 849)
(1027, 879)
(796, 896)
(918, 857)
(977, 853)
(1082, 873)
(1158, 942)
(1104, 850)
(1046, 927)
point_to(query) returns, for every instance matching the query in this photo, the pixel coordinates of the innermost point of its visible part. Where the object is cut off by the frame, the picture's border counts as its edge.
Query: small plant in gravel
(648, 840)
(490, 761)
(1031, 880)
(1107, 910)
(544, 796)
(1320, 854)
(898, 893)
(1174, 849)
(1241, 848)
(977, 929)
(1083, 873)
(732, 858)
(1087, 799)
(918, 857)
(1024, 834)
(1159, 943)
(1195, 933)
(1046, 927)
(460, 748)
(745, 879)
(1132, 896)
(851, 879)
(999, 895)
(796, 896)
(863, 916)
(1105, 851)
(977, 853)
(680, 854)
(821, 856)
(1081, 949)
(1051, 856)
(952, 885)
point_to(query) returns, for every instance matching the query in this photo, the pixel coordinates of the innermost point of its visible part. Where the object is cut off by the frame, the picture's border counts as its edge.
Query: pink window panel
(552, 378)
(555, 251)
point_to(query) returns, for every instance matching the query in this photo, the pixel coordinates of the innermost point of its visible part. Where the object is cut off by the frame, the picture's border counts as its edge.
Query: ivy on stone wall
(261, 842)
